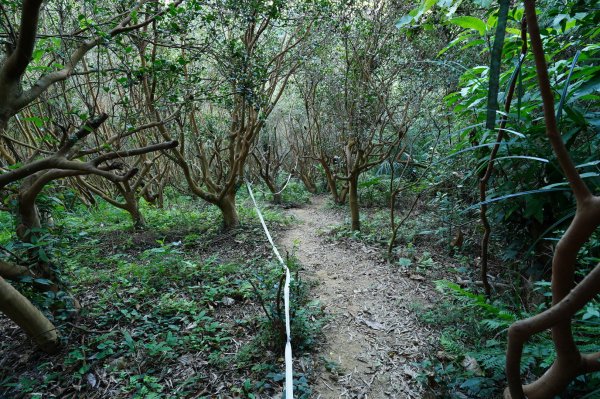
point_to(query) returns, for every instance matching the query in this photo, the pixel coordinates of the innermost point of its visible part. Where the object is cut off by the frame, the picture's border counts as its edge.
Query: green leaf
(534, 208)
(371, 182)
(589, 174)
(42, 255)
(39, 122)
(404, 21)
(592, 163)
(404, 262)
(129, 341)
(518, 134)
(520, 194)
(42, 281)
(523, 157)
(469, 22)
(38, 54)
(566, 88)
(415, 14)
(590, 312)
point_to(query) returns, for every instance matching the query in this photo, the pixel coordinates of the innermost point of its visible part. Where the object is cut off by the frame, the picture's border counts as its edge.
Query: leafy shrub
(473, 343)
(306, 317)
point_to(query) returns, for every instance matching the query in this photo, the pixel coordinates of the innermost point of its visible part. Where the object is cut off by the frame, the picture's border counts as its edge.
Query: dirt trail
(373, 335)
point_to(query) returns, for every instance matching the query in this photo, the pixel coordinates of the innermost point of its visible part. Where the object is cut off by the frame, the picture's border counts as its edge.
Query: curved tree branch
(566, 299)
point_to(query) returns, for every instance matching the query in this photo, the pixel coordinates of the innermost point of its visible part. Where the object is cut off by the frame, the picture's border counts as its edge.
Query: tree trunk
(28, 317)
(87, 197)
(308, 183)
(273, 188)
(28, 218)
(393, 195)
(331, 182)
(12, 271)
(160, 195)
(160, 199)
(342, 195)
(229, 212)
(139, 223)
(133, 207)
(354, 210)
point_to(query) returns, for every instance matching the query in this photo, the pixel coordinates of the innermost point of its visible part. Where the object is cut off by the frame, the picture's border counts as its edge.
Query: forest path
(372, 335)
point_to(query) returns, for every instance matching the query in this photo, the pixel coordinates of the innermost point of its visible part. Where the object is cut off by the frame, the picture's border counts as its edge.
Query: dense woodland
(442, 156)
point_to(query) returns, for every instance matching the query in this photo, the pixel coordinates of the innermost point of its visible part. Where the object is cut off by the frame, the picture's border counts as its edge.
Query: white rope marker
(278, 192)
(284, 186)
(289, 382)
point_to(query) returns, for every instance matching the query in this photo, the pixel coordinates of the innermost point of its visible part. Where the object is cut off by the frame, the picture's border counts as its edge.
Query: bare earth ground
(373, 335)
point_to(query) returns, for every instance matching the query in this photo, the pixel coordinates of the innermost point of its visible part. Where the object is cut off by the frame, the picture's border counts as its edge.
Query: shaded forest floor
(166, 312)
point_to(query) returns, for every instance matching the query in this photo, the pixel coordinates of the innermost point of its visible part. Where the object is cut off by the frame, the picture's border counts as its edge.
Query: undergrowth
(471, 359)
(164, 311)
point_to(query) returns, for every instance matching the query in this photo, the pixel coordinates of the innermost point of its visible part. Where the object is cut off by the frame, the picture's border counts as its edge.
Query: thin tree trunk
(331, 182)
(394, 235)
(393, 194)
(354, 209)
(310, 186)
(160, 200)
(483, 182)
